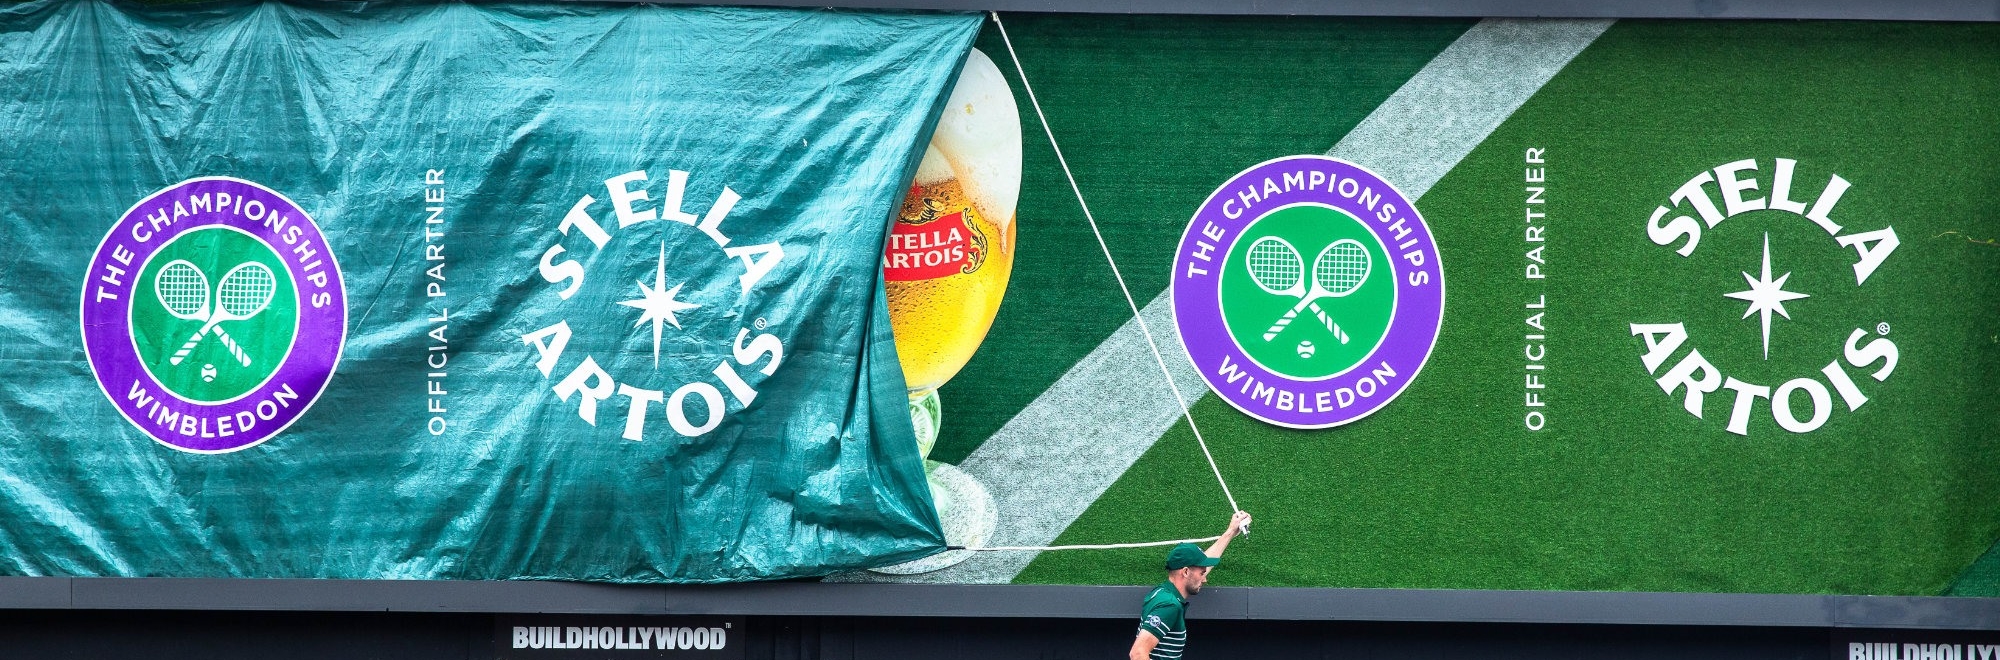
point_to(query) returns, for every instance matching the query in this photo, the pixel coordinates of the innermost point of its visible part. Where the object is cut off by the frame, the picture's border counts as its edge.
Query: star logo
(1822, 369)
(706, 369)
(1766, 295)
(656, 303)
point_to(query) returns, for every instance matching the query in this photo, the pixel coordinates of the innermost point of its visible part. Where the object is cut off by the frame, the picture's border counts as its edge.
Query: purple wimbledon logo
(1307, 291)
(213, 314)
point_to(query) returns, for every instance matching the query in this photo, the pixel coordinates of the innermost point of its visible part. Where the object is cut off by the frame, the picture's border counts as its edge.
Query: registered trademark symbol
(1882, 328)
(760, 323)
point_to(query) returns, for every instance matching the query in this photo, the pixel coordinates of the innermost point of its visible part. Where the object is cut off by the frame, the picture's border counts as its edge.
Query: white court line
(1051, 461)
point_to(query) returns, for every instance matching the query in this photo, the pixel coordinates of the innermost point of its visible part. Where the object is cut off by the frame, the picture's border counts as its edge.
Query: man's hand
(1238, 524)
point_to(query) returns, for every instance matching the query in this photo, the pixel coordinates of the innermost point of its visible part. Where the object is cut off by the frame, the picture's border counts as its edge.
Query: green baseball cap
(1189, 554)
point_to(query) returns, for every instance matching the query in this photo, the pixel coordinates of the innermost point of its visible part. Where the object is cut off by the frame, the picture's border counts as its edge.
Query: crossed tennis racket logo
(245, 291)
(1339, 270)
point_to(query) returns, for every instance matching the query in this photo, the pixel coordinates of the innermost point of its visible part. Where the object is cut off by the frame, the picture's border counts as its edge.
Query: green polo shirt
(1165, 615)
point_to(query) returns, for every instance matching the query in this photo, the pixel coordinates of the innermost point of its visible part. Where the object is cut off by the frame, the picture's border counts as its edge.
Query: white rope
(1150, 343)
(1097, 546)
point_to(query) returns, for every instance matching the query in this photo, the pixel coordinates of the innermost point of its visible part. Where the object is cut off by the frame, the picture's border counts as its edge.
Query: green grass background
(1153, 112)
(1624, 491)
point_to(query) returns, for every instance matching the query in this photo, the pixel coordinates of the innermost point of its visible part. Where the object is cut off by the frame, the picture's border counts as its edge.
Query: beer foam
(934, 168)
(980, 135)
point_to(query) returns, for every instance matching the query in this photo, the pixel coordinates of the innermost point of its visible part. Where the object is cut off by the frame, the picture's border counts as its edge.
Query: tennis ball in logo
(214, 314)
(1307, 292)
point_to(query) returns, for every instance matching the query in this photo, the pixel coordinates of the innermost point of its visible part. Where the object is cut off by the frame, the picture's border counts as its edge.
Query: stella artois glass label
(933, 238)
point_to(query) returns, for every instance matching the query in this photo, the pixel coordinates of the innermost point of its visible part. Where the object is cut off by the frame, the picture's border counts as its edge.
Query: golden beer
(950, 251)
(946, 268)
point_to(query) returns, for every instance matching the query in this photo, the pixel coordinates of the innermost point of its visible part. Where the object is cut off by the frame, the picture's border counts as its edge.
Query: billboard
(650, 294)
(1502, 304)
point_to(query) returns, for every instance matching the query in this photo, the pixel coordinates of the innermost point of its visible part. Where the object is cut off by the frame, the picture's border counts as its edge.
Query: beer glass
(946, 266)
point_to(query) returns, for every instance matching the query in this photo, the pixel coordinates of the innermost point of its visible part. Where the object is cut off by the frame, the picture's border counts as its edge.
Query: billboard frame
(1106, 602)
(1841, 10)
(1001, 601)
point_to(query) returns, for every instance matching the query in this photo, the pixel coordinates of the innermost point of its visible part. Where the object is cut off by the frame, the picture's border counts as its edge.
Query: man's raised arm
(1237, 523)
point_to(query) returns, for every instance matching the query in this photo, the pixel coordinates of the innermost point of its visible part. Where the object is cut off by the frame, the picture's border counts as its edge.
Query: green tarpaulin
(457, 291)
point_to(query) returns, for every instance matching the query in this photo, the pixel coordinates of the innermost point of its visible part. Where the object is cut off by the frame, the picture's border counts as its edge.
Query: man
(1163, 619)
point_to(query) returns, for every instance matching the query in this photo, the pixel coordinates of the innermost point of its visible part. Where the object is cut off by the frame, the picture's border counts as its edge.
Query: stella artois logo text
(1800, 371)
(677, 299)
(935, 241)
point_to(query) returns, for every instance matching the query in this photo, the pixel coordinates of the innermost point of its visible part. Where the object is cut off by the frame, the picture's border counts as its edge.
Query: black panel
(805, 599)
(240, 636)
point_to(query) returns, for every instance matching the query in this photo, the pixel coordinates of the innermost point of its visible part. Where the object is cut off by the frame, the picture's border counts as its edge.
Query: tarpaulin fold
(442, 152)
